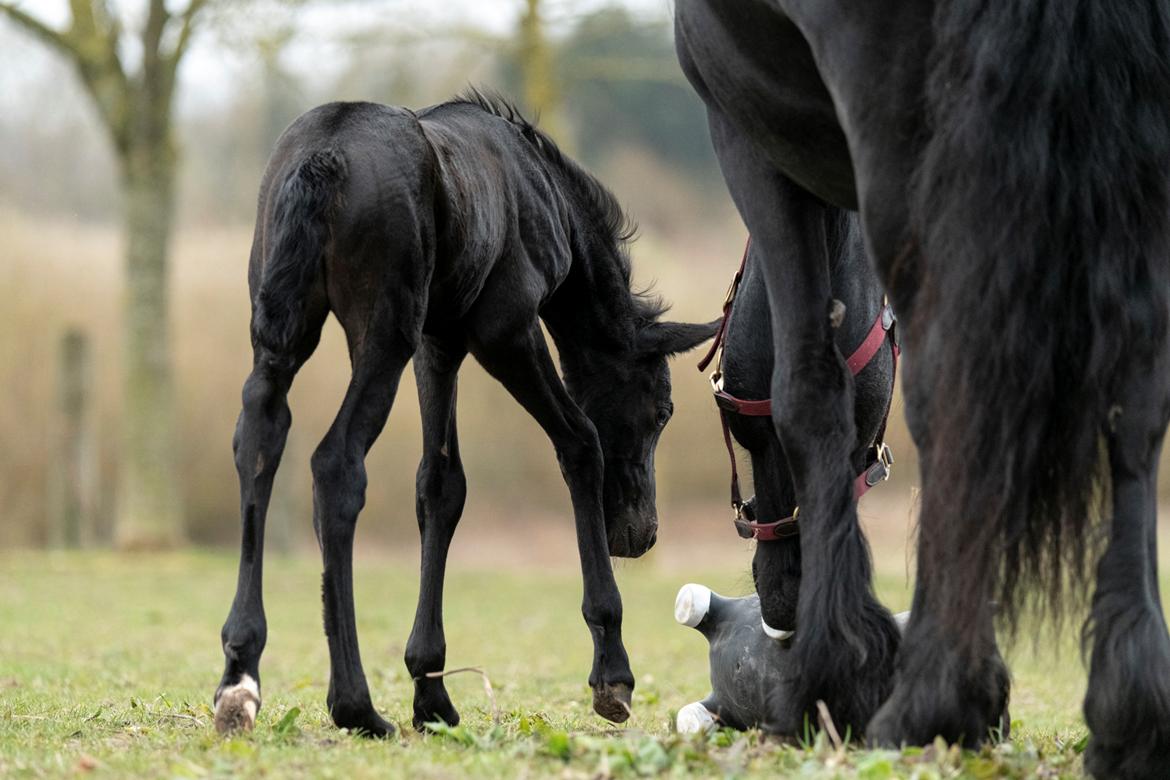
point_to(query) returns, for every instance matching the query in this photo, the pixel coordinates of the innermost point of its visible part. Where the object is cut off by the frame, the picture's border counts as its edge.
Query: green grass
(108, 664)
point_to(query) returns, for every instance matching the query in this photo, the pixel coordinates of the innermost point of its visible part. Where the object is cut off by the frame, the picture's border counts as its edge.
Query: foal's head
(626, 395)
(613, 346)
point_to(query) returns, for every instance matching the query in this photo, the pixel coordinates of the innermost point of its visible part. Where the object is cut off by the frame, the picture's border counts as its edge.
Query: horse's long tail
(1040, 211)
(298, 236)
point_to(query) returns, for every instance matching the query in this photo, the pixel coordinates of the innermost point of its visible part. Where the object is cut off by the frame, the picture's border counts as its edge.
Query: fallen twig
(487, 686)
(827, 725)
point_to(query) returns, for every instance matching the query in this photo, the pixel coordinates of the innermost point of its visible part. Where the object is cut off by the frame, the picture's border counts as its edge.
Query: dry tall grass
(57, 274)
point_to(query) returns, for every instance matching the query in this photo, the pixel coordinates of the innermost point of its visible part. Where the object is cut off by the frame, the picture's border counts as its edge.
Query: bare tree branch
(84, 21)
(152, 32)
(35, 27)
(188, 18)
(170, 62)
(92, 49)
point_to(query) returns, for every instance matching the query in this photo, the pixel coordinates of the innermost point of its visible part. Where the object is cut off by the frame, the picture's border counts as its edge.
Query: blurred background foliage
(601, 76)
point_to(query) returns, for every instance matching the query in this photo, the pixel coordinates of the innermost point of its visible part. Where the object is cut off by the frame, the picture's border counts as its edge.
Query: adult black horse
(431, 235)
(1009, 161)
(745, 376)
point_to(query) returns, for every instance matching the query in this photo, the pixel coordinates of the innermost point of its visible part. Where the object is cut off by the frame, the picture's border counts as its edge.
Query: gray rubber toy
(748, 660)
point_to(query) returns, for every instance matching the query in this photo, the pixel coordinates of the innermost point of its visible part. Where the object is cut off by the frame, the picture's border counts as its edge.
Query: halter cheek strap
(880, 458)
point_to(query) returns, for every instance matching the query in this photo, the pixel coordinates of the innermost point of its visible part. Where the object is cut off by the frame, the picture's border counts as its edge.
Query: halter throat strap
(879, 460)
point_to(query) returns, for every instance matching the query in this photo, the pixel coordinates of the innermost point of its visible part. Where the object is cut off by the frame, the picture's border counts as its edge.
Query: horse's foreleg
(339, 489)
(258, 443)
(440, 492)
(520, 360)
(845, 640)
(1127, 707)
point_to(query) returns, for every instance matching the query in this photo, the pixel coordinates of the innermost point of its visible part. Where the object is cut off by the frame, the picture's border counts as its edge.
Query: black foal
(429, 236)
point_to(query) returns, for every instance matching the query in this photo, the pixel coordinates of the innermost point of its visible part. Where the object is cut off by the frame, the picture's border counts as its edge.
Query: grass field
(108, 663)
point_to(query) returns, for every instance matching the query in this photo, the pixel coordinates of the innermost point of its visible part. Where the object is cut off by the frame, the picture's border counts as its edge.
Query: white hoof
(694, 719)
(902, 618)
(691, 605)
(237, 705)
(776, 633)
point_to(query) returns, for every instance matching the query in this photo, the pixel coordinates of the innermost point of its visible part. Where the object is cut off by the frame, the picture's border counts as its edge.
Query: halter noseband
(880, 459)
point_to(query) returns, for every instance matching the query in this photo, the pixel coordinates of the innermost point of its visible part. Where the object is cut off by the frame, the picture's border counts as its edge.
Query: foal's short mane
(596, 197)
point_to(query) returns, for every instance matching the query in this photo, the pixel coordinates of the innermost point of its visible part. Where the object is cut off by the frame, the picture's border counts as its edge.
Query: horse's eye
(664, 413)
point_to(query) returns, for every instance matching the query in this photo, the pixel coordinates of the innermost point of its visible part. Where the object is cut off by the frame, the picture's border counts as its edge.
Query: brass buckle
(731, 290)
(743, 526)
(717, 381)
(885, 457)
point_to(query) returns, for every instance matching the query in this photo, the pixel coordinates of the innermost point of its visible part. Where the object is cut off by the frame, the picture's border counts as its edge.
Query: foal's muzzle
(632, 540)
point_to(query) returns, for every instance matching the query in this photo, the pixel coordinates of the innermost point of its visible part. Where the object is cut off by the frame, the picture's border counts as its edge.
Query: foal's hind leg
(518, 357)
(339, 492)
(1127, 707)
(440, 491)
(258, 444)
(845, 640)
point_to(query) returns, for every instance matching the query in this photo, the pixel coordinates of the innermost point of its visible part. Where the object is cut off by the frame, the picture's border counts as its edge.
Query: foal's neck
(593, 311)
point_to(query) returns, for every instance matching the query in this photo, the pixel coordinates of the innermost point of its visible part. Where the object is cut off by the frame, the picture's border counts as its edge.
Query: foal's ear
(671, 338)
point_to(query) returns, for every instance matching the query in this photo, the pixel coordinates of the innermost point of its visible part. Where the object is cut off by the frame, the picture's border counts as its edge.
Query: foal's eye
(664, 413)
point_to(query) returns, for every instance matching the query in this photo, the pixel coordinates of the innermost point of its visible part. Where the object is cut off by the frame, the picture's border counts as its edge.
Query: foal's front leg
(520, 360)
(440, 492)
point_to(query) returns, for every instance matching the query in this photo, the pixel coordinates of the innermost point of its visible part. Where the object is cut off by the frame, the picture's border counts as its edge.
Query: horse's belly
(754, 66)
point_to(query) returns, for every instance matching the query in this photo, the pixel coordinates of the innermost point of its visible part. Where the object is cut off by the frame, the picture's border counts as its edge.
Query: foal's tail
(298, 235)
(1041, 211)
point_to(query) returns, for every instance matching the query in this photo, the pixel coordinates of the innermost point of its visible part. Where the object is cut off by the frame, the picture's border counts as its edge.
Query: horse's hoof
(236, 706)
(694, 719)
(612, 702)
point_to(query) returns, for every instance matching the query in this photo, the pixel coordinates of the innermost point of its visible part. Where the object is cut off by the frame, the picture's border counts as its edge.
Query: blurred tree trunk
(136, 110)
(536, 70)
(280, 104)
(149, 499)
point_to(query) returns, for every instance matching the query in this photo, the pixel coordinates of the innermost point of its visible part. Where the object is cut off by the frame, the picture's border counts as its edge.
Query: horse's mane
(601, 204)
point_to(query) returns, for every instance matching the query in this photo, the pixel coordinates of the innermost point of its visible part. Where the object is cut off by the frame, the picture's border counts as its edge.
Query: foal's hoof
(432, 707)
(362, 720)
(236, 706)
(612, 702)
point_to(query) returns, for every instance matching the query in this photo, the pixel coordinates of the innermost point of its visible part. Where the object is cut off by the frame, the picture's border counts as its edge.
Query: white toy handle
(694, 719)
(691, 605)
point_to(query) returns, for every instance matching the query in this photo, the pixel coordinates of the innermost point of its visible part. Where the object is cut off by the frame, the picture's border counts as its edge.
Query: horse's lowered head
(626, 395)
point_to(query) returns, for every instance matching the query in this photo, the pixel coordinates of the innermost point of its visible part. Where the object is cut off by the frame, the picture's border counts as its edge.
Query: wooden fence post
(72, 498)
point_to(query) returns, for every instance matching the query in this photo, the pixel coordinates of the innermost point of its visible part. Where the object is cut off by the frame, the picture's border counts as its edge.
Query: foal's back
(437, 206)
(363, 177)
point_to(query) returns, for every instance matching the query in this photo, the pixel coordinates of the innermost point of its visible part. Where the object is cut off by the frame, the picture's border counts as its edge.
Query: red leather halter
(880, 460)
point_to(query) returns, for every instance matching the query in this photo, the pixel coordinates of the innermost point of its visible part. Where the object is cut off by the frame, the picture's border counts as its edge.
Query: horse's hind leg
(258, 444)
(440, 491)
(950, 683)
(1127, 707)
